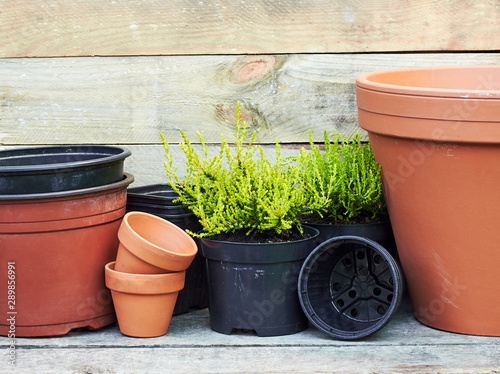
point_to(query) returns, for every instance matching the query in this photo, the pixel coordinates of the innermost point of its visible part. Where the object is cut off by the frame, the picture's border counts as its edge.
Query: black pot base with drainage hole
(350, 287)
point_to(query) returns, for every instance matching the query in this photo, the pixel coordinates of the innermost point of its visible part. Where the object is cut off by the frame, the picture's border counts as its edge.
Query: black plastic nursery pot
(168, 210)
(156, 194)
(253, 286)
(158, 199)
(380, 232)
(60, 168)
(350, 287)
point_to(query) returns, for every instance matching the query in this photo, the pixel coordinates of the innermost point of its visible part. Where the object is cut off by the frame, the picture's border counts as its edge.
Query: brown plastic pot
(150, 244)
(59, 243)
(144, 303)
(436, 133)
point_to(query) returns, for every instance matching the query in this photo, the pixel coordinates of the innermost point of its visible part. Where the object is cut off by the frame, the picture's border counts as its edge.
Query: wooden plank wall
(122, 71)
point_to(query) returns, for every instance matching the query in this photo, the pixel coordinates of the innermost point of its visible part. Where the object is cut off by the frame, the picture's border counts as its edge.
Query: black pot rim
(242, 252)
(127, 179)
(110, 154)
(384, 222)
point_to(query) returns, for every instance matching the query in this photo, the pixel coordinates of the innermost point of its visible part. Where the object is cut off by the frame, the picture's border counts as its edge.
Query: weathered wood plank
(118, 100)
(403, 346)
(41, 28)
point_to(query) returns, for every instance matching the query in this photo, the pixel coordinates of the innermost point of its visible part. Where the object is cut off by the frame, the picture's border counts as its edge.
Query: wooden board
(403, 346)
(118, 100)
(41, 28)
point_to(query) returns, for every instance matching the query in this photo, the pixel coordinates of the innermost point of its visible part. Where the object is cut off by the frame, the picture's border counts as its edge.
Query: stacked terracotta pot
(148, 273)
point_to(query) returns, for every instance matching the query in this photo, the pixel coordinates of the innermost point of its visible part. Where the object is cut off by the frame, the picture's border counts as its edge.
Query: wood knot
(252, 67)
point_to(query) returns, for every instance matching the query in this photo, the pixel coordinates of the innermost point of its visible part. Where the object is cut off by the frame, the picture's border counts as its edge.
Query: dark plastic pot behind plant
(381, 232)
(158, 199)
(254, 286)
(60, 168)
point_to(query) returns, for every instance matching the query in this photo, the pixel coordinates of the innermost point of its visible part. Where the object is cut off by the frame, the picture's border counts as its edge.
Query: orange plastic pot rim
(485, 87)
(143, 284)
(70, 194)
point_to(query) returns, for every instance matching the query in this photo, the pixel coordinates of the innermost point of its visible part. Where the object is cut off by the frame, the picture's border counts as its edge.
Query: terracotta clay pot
(144, 303)
(59, 243)
(152, 245)
(436, 133)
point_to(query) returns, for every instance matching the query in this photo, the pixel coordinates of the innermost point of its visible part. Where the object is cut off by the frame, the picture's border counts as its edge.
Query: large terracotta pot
(59, 243)
(436, 133)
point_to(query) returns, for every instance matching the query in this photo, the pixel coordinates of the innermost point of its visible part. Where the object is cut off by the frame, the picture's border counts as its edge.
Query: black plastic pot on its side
(350, 287)
(60, 168)
(157, 199)
(254, 286)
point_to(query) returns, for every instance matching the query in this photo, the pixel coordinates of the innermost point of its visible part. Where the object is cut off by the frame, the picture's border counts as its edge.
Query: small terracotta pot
(144, 303)
(152, 245)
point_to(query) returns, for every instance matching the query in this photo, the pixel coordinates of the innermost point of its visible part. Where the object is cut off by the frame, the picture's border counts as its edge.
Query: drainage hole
(352, 294)
(377, 259)
(340, 303)
(354, 312)
(381, 310)
(391, 281)
(377, 291)
(360, 255)
(389, 297)
(336, 286)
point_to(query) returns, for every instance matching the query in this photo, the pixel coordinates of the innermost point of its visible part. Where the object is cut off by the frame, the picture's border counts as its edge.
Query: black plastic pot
(156, 194)
(167, 210)
(381, 232)
(60, 168)
(254, 286)
(157, 199)
(350, 287)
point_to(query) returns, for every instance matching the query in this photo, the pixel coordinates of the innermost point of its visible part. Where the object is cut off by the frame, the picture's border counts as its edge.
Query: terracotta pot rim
(143, 284)
(127, 179)
(127, 233)
(369, 81)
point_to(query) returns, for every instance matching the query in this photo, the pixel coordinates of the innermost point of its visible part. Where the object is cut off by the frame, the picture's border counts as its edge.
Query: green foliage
(342, 183)
(238, 188)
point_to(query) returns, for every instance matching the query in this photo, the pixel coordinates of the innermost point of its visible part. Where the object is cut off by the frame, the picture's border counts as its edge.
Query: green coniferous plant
(238, 190)
(342, 183)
